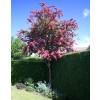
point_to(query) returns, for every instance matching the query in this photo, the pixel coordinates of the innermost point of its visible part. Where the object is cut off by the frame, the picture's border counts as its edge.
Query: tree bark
(49, 68)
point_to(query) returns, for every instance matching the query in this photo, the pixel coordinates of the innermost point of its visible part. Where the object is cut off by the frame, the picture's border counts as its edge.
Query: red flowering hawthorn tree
(49, 36)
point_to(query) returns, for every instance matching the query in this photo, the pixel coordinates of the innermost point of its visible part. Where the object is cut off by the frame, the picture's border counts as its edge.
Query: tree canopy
(49, 36)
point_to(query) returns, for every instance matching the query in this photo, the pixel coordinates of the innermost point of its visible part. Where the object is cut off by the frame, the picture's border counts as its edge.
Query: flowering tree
(49, 36)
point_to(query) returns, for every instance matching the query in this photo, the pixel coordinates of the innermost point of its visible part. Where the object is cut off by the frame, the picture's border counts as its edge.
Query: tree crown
(49, 36)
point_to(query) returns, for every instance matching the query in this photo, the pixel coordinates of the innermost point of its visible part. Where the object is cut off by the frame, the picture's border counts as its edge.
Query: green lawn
(24, 95)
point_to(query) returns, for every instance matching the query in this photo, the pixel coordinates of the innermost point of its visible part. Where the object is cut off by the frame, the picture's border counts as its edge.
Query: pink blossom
(49, 36)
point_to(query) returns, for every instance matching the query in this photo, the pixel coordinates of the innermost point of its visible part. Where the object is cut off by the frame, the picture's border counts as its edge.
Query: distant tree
(16, 48)
(49, 36)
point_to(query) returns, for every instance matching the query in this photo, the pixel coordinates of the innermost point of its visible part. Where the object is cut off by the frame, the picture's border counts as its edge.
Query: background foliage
(16, 48)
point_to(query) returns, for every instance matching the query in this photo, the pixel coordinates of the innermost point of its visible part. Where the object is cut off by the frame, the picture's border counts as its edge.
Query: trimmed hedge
(29, 68)
(71, 76)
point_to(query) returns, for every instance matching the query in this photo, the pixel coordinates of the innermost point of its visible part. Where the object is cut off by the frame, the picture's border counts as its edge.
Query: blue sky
(77, 9)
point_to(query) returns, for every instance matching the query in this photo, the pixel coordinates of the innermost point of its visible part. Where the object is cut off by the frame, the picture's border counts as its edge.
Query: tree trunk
(49, 68)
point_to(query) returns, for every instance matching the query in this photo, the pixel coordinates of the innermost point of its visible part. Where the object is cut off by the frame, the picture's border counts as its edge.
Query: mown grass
(24, 95)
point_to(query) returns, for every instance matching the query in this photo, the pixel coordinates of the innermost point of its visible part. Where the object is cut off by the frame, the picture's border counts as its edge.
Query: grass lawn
(24, 95)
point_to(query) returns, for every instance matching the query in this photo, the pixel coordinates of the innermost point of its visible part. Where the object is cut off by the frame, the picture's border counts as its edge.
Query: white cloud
(86, 12)
(83, 43)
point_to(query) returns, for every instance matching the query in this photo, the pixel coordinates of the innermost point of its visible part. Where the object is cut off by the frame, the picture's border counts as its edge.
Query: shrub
(41, 87)
(44, 89)
(29, 82)
(29, 88)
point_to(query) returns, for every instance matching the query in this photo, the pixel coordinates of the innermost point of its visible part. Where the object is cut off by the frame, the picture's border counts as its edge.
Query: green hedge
(71, 76)
(29, 68)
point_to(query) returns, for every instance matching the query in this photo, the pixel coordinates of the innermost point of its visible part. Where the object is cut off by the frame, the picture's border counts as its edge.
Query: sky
(76, 9)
